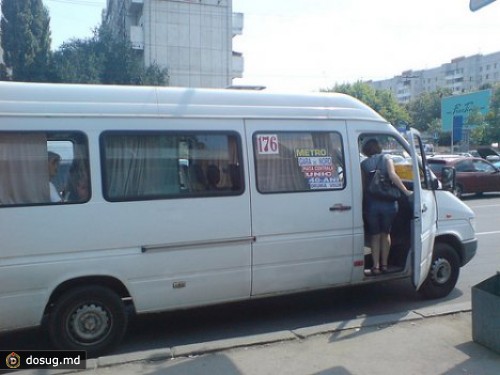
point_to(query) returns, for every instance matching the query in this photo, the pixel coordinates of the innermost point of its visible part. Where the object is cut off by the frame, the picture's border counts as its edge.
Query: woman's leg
(375, 243)
(385, 248)
(389, 213)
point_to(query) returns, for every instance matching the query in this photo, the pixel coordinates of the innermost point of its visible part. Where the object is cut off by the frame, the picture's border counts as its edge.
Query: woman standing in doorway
(379, 214)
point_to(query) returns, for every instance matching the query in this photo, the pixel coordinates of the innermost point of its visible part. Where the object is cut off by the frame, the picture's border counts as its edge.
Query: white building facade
(461, 75)
(191, 38)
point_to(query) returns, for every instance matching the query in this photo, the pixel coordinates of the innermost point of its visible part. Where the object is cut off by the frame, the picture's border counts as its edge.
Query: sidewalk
(427, 341)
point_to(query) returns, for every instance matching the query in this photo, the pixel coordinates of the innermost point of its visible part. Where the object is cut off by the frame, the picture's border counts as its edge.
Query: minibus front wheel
(443, 274)
(90, 318)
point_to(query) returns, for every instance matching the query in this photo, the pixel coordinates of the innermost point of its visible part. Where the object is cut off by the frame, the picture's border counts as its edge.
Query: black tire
(90, 318)
(459, 191)
(443, 274)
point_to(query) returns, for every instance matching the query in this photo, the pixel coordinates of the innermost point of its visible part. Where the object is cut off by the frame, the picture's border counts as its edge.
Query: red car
(473, 175)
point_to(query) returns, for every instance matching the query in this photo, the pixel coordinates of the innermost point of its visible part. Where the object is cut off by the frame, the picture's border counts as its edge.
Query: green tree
(435, 126)
(389, 108)
(105, 59)
(26, 39)
(382, 102)
(426, 108)
(120, 63)
(493, 118)
(78, 61)
(478, 135)
(477, 127)
(4, 74)
(359, 90)
(153, 75)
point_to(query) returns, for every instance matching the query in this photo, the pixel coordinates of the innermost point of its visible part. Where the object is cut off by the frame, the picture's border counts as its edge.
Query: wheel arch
(109, 282)
(455, 243)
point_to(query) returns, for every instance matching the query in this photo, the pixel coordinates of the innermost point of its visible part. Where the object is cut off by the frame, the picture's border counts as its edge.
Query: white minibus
(129, 200)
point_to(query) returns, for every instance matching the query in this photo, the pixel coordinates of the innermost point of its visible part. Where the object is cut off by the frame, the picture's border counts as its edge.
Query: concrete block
(486, 313)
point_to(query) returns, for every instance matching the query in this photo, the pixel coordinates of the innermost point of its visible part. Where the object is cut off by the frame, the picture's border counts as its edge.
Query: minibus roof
(17, 98)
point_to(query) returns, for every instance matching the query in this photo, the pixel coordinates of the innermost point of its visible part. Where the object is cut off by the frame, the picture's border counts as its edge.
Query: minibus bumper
(470, 248)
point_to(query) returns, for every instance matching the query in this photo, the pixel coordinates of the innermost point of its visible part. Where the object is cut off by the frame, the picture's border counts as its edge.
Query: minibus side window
(43, 168)
(299, 161)
(163, 165)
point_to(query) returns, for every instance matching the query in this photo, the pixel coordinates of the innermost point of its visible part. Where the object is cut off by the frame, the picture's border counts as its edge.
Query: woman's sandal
(384, 269)
(374, 271)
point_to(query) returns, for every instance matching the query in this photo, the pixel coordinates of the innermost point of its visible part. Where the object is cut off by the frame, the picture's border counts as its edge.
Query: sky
(308, 45)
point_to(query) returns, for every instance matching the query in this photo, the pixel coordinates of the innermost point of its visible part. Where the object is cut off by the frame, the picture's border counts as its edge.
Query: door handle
(424, 208)
(340, 207)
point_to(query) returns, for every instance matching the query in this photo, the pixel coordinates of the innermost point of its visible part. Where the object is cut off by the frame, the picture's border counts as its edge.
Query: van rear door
(424, 211)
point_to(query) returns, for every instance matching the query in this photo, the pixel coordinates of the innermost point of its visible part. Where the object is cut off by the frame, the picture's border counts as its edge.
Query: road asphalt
(430, 341)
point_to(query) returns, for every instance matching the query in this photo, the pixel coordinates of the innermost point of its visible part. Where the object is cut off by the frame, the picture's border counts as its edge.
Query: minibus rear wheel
(443, 274)
(90, 318)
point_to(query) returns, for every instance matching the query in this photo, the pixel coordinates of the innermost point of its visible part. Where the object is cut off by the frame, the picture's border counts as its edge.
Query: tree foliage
(26, 40)
(425, 110)
(477, 125)
(105, 59)
(381, 101)
(153, 75)
(78, 61)
(493, 118)
(4, 73)
(120, 63)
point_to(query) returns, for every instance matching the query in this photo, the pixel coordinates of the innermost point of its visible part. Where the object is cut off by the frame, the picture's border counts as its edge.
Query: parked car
(446, 156)
(486, 152)
(473, 175)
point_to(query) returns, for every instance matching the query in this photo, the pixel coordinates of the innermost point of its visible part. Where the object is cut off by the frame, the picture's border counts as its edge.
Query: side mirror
(478, 4)
(435, 184)
(448, 178)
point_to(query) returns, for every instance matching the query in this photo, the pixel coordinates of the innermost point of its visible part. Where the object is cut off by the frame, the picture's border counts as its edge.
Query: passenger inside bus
(78, 188)
(53, 160)
(213, 177)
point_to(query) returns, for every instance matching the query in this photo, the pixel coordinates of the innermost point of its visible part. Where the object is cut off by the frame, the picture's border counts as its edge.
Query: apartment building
(191, 38)
(461, 75)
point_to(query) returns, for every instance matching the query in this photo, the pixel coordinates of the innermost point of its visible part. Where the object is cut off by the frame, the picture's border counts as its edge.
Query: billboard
(455, 111)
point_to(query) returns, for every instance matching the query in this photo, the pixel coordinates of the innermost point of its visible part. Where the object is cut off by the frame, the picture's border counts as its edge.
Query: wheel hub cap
(441, 271)
(89, 323)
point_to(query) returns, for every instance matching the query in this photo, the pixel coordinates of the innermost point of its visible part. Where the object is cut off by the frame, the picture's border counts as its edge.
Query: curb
(269, 338)
(197, 349)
